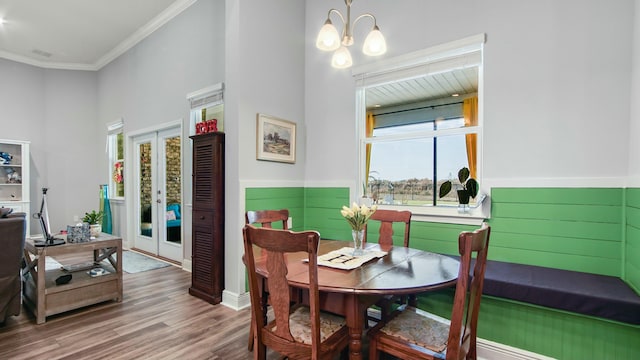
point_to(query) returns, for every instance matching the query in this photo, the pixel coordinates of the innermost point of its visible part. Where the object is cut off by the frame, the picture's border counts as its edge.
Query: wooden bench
(601, 296)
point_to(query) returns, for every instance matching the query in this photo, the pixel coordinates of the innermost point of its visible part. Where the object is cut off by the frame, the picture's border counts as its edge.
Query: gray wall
(634, 133)
(556, 81)
(55, 110)
(264, 74)
(147, 86)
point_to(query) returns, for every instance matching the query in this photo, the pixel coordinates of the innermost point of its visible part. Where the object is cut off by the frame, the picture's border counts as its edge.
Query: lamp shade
(374, 44)
(328, 37)
(341, 58)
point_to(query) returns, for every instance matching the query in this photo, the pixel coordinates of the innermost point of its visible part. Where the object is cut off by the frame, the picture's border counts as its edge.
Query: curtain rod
(420, 108)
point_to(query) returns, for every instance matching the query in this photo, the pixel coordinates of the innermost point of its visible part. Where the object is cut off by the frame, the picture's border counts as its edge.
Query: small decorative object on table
(79, 233)
(94, 218)
(357, 217)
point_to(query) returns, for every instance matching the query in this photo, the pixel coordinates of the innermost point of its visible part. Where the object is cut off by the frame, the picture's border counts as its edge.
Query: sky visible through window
(413, 159)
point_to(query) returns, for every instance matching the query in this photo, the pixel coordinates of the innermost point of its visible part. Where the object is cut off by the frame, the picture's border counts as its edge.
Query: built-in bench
(601, 296)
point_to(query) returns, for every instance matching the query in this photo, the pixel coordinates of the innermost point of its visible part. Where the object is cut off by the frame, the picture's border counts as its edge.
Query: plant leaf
(472, 187)
(444, 188)
(463, 175)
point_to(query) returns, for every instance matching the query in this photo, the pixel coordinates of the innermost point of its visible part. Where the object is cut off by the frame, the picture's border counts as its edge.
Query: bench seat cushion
(597, 295)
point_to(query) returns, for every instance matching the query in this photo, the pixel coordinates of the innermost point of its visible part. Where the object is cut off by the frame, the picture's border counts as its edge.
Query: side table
(44, 297)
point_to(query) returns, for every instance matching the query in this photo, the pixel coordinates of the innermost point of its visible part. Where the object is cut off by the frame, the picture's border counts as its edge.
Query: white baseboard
(235, 301)
(489, 350)
(187, 265)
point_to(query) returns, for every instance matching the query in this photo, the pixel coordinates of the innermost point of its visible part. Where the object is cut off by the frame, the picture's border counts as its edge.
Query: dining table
(396, 270)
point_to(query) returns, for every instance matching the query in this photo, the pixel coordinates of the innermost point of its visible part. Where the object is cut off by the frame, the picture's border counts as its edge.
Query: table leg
(355, 322)
(40, 288)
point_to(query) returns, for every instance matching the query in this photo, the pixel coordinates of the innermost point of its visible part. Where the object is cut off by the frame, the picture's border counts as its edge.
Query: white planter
(95, 230)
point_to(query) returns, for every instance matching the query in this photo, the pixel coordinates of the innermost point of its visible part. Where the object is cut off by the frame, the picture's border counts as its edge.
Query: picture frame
(275, 139)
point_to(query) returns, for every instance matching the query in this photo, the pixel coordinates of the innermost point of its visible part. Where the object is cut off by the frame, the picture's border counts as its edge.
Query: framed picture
(276, 139)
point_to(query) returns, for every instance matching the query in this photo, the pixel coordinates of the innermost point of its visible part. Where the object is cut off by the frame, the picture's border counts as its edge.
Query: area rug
(132, 262)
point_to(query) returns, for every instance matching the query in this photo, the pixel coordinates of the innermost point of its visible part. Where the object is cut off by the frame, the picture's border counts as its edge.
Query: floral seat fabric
(418, 327)
(300, 325)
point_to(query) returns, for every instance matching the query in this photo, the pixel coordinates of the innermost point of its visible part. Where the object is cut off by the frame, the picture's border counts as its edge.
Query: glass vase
(105, 206)
(358, 237)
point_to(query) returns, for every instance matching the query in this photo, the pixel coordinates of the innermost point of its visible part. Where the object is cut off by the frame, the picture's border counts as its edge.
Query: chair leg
(251, 330)
(374, 354)
(413, 300)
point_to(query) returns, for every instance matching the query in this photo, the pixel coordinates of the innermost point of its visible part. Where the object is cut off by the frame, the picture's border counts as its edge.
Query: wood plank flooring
(157, 319)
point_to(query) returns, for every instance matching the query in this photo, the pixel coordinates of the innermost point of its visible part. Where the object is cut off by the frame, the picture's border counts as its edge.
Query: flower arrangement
(357, 216)
(117, 172)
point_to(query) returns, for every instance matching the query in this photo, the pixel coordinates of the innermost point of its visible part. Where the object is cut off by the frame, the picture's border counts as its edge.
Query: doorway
(158, 196)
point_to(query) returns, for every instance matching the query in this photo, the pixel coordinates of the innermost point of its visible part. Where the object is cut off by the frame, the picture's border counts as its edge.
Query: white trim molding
(489, 350)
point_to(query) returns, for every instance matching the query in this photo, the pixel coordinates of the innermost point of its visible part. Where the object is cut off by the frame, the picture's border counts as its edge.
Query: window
(207, 104)
(419, 124)
(115, 145)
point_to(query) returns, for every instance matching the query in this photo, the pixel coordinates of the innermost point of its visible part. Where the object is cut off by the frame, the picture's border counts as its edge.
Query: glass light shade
(328, 37)
(374, 44)
(341, 58)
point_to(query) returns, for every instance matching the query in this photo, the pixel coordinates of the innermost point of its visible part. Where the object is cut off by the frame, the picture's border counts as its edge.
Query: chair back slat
(266, 218)
(387, 218)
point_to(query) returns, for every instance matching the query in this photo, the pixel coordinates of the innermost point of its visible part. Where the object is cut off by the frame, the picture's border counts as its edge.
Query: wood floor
(157, 319)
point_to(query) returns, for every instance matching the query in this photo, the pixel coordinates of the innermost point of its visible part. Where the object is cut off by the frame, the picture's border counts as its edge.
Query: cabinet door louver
(207, 276)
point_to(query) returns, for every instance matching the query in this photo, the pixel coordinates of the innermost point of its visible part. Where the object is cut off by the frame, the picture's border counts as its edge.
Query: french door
(158, 195)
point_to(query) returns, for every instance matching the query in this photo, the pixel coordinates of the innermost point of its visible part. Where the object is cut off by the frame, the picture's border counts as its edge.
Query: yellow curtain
(470, 112)
(369, 132)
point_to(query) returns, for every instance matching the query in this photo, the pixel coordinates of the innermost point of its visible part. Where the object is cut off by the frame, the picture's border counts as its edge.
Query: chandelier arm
(375, 23)
(336, 11)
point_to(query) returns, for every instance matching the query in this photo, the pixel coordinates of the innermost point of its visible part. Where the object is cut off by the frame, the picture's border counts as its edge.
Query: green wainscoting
(594, 230)
(550, 332)
(276, 199)
(576, 229)
(322, 212)
(632, 239)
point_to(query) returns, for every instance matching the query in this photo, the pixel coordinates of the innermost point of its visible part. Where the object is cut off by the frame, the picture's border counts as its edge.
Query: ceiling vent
(42, 53)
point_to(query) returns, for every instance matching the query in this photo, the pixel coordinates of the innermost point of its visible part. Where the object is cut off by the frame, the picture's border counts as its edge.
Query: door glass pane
(119, 188)
(173, 184)
(146, 220)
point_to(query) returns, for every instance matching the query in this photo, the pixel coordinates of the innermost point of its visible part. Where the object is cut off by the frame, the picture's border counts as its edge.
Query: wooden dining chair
(387, 218)
(415, 334)
(265, 218)
(297, 331)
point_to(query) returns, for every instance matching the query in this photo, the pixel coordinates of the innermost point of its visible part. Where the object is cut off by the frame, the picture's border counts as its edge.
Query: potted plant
(94, 219)
(469, 188)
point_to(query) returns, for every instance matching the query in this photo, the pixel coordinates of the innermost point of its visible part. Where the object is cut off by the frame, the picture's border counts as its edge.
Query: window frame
(439, 58)
(113, 130)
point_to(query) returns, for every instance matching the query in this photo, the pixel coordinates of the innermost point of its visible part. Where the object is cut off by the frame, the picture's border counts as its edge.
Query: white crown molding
(44, 64)
(164, 17)
(146, 30)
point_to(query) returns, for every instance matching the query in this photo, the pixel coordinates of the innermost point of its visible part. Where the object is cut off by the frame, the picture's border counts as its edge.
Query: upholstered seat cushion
(420, 328)
(300, 325)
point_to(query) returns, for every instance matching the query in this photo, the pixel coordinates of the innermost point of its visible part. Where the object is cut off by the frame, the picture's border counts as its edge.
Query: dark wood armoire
(207, 276)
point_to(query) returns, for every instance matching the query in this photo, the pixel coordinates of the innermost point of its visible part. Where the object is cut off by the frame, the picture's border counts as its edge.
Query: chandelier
(329, 39)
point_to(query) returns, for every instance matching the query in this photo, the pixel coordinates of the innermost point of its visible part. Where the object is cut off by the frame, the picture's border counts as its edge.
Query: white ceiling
(88, 34)
(79, 34)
